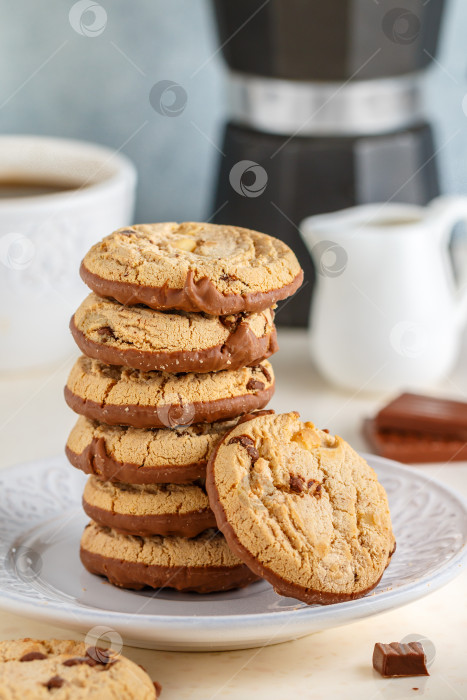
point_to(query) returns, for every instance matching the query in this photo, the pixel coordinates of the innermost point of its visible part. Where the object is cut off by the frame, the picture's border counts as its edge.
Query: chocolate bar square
(425, 414)
(413, 447)
(400, 660)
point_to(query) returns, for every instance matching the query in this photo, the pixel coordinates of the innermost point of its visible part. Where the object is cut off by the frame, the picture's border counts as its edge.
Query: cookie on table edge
(34, 669)
(301, 508)
(193, 267)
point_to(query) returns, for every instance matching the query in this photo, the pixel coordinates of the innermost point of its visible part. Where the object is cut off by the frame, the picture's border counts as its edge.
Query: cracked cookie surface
(125, 396)
(180, 510)
(301, 508)
(32, 669)
(193, 267)
(144, 455)
(175, 341)
(204, 563)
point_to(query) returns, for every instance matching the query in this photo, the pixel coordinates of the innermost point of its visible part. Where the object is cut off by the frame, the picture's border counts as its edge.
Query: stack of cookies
(175, 334)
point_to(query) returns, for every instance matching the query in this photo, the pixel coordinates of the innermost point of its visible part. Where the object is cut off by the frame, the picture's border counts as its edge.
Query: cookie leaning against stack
(175, 336)
(301, 508)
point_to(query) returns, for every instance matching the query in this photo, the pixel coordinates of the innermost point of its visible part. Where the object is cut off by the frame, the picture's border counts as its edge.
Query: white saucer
(41, 522)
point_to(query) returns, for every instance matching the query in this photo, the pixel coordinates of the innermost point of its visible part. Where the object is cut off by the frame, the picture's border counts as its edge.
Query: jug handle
(446, 212)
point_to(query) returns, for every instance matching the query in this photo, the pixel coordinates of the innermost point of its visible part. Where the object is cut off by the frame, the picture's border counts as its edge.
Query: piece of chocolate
(397, 659)
(249, 445)
(315, 488)
(297, 484)
(104, 657)
(425, 414)
(413, 447)
(79, 661)
(265, 372)
(106, 332)
(54, 682)
(255, 385)
(33, 656)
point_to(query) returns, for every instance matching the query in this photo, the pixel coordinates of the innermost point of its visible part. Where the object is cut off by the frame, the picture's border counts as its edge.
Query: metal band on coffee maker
(317, 109)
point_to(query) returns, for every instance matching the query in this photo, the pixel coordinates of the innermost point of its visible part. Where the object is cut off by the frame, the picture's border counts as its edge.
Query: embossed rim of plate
(246, 630)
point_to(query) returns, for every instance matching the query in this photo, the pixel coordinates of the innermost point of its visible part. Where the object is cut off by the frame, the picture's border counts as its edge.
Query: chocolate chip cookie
(203, 564)
(144, 455)
(181, 510)
(125, 396)
(193, 267)
(66, 670)
(175, 341)
(301, 508)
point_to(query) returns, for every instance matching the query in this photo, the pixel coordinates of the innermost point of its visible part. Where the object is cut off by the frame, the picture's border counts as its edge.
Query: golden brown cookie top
(67, 670)
(301, 508)
(153, 499)
(123, 396)
(192, 266)
(105, 321)
(96, 381)
(207, 549)
(174, 341)
(149, 448)
(144, 455)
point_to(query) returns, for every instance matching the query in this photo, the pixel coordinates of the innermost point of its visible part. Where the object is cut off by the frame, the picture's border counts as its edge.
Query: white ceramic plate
(41, 523)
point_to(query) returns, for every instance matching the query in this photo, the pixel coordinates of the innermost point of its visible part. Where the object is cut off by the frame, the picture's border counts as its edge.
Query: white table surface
(34, 423)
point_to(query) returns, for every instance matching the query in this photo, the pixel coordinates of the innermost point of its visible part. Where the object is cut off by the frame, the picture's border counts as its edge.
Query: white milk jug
(387, 313)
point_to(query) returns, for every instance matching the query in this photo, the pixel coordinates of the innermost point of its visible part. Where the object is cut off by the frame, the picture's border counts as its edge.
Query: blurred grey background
(57, 81)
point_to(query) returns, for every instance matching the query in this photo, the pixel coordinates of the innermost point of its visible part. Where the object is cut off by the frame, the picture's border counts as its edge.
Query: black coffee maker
(325, 111)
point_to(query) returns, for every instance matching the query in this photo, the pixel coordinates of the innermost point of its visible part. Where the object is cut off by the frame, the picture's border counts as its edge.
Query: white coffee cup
(44, 237)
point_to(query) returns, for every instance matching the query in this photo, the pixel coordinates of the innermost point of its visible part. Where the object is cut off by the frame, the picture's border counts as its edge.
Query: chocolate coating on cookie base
(134, 575)
(280, 585)
(151, 416)
(95, 460)
(168, 524)
(196, 295)
(241, 349)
